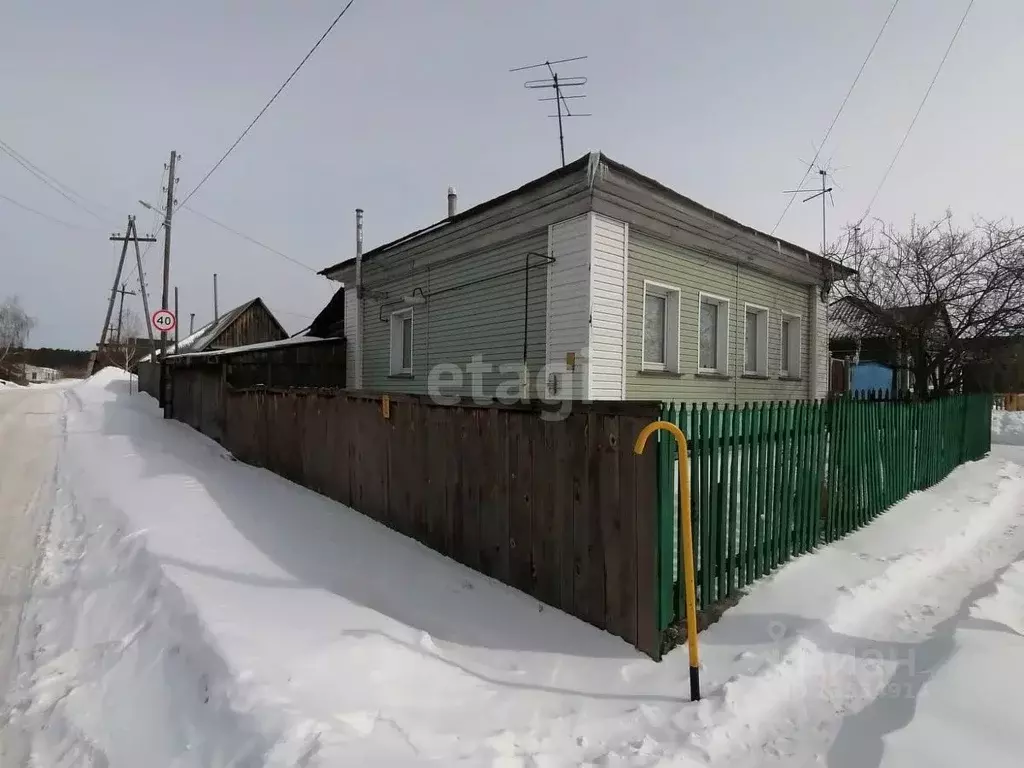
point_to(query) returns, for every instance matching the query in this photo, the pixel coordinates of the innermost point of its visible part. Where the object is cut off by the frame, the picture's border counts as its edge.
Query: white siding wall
(607, 307)
(568, 309)
(350, 337)
(822, 354)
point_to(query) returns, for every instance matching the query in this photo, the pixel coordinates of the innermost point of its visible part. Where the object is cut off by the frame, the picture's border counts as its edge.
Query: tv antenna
(824, 191)
(561, 99)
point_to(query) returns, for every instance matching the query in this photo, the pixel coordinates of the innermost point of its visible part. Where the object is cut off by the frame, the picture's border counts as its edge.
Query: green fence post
(732, 531)
(761, 493)
(743, 560)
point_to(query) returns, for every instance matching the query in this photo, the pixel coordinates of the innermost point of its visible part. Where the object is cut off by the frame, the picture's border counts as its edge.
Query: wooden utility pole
(123, 239)
(120, 309)
(168, 210)
(177, 321)
(142, 283)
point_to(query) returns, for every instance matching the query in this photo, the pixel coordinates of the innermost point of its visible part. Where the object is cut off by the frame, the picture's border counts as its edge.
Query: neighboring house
(249, 323)
(34, 374)
(995, 364)
(591, 282)
(866, 340)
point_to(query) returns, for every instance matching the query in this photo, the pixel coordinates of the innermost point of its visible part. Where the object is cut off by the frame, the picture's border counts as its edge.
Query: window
(755, 341)
(660, 345)
(790, 343)
(401, 342)
(713, 335)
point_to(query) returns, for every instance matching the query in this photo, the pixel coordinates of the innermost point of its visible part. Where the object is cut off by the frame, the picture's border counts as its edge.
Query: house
(994, 364)
(249, 323)
(591, 282)
(873, 347)
(35, 374)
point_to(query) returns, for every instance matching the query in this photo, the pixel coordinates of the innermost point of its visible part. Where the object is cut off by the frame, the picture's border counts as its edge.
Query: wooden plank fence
(560, 509)
(770, 481)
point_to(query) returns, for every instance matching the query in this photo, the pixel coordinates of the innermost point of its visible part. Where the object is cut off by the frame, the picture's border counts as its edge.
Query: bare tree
(15, 327)
(938, 290)
(130, 332)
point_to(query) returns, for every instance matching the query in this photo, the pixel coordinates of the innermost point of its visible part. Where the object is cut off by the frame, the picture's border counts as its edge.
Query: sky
(723, 101)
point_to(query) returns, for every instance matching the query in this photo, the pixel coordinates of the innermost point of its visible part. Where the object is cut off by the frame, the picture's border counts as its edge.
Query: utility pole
(123, 239)
(216, 310)
(168, 210)
(142, 282)
(177, 322)
(120, 310)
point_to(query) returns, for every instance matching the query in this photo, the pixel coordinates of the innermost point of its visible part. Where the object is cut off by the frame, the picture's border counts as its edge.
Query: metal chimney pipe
(358, 356)
(453, 201)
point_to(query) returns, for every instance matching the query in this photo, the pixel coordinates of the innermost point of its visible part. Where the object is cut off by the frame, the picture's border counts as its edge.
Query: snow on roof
(290, 342)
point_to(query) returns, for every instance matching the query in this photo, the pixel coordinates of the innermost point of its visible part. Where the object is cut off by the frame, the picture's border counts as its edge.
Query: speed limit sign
(164, 320)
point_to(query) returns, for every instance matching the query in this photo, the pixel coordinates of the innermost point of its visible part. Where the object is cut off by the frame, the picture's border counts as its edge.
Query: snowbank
(1008, 427)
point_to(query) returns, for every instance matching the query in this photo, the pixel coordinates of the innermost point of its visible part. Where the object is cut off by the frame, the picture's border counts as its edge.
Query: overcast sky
(722, 101)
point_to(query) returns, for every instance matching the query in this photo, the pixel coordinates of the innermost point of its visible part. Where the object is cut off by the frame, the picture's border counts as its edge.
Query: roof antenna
(558, 85)
(824, 191)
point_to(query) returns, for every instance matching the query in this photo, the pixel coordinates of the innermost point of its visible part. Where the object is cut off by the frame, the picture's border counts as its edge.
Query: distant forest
(71, 362)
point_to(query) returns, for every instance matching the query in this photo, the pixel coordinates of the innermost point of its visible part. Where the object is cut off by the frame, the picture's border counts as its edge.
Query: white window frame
(671, 294)
(722, 342)
(394, 334)
(786, 366)
(763, 323)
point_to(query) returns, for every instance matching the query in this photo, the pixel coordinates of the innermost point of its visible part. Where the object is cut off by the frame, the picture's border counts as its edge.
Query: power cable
(60, 188)
(55, 220)
(266, 106)
(835, 119)
(917, 114)
(252, 240)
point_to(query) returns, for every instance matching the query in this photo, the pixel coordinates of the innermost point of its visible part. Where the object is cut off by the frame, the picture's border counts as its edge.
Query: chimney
(453, 200)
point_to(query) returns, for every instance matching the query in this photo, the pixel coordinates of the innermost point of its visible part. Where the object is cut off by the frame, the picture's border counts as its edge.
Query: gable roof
(201, 340)
(591, 162)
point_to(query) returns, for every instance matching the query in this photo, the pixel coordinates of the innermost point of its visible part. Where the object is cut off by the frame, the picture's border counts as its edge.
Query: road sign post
(164, 320)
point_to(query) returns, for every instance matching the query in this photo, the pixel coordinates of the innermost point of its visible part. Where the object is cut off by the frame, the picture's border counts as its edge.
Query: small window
(713, 343)
(661, 328)
(755, 350)
(401, 342)
(790, 344)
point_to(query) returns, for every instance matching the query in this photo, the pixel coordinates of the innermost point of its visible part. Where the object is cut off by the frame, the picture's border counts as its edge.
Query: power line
(835, 119)
(62, 189)
(267, 105)
(55, 220)
(252, 240)
(917, 114)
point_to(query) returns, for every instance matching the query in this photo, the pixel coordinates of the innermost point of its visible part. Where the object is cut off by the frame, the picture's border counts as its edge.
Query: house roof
(854, 317)
(294, 341)
(589, 160)
(208, 334)
(331, 319)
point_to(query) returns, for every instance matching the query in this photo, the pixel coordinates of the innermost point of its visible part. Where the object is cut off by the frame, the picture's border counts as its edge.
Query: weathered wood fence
(560, 509)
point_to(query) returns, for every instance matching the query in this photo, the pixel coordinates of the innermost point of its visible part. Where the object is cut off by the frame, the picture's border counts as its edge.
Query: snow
(191, 610)
(1008, 427)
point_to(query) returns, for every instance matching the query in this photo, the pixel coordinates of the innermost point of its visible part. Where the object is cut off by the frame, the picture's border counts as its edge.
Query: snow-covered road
(29, 435)
(192, 611)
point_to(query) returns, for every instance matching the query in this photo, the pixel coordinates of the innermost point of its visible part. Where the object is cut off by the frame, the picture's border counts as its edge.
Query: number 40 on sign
(164, 320)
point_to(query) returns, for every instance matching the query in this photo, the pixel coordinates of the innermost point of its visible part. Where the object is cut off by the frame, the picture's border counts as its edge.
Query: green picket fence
(770, 481)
